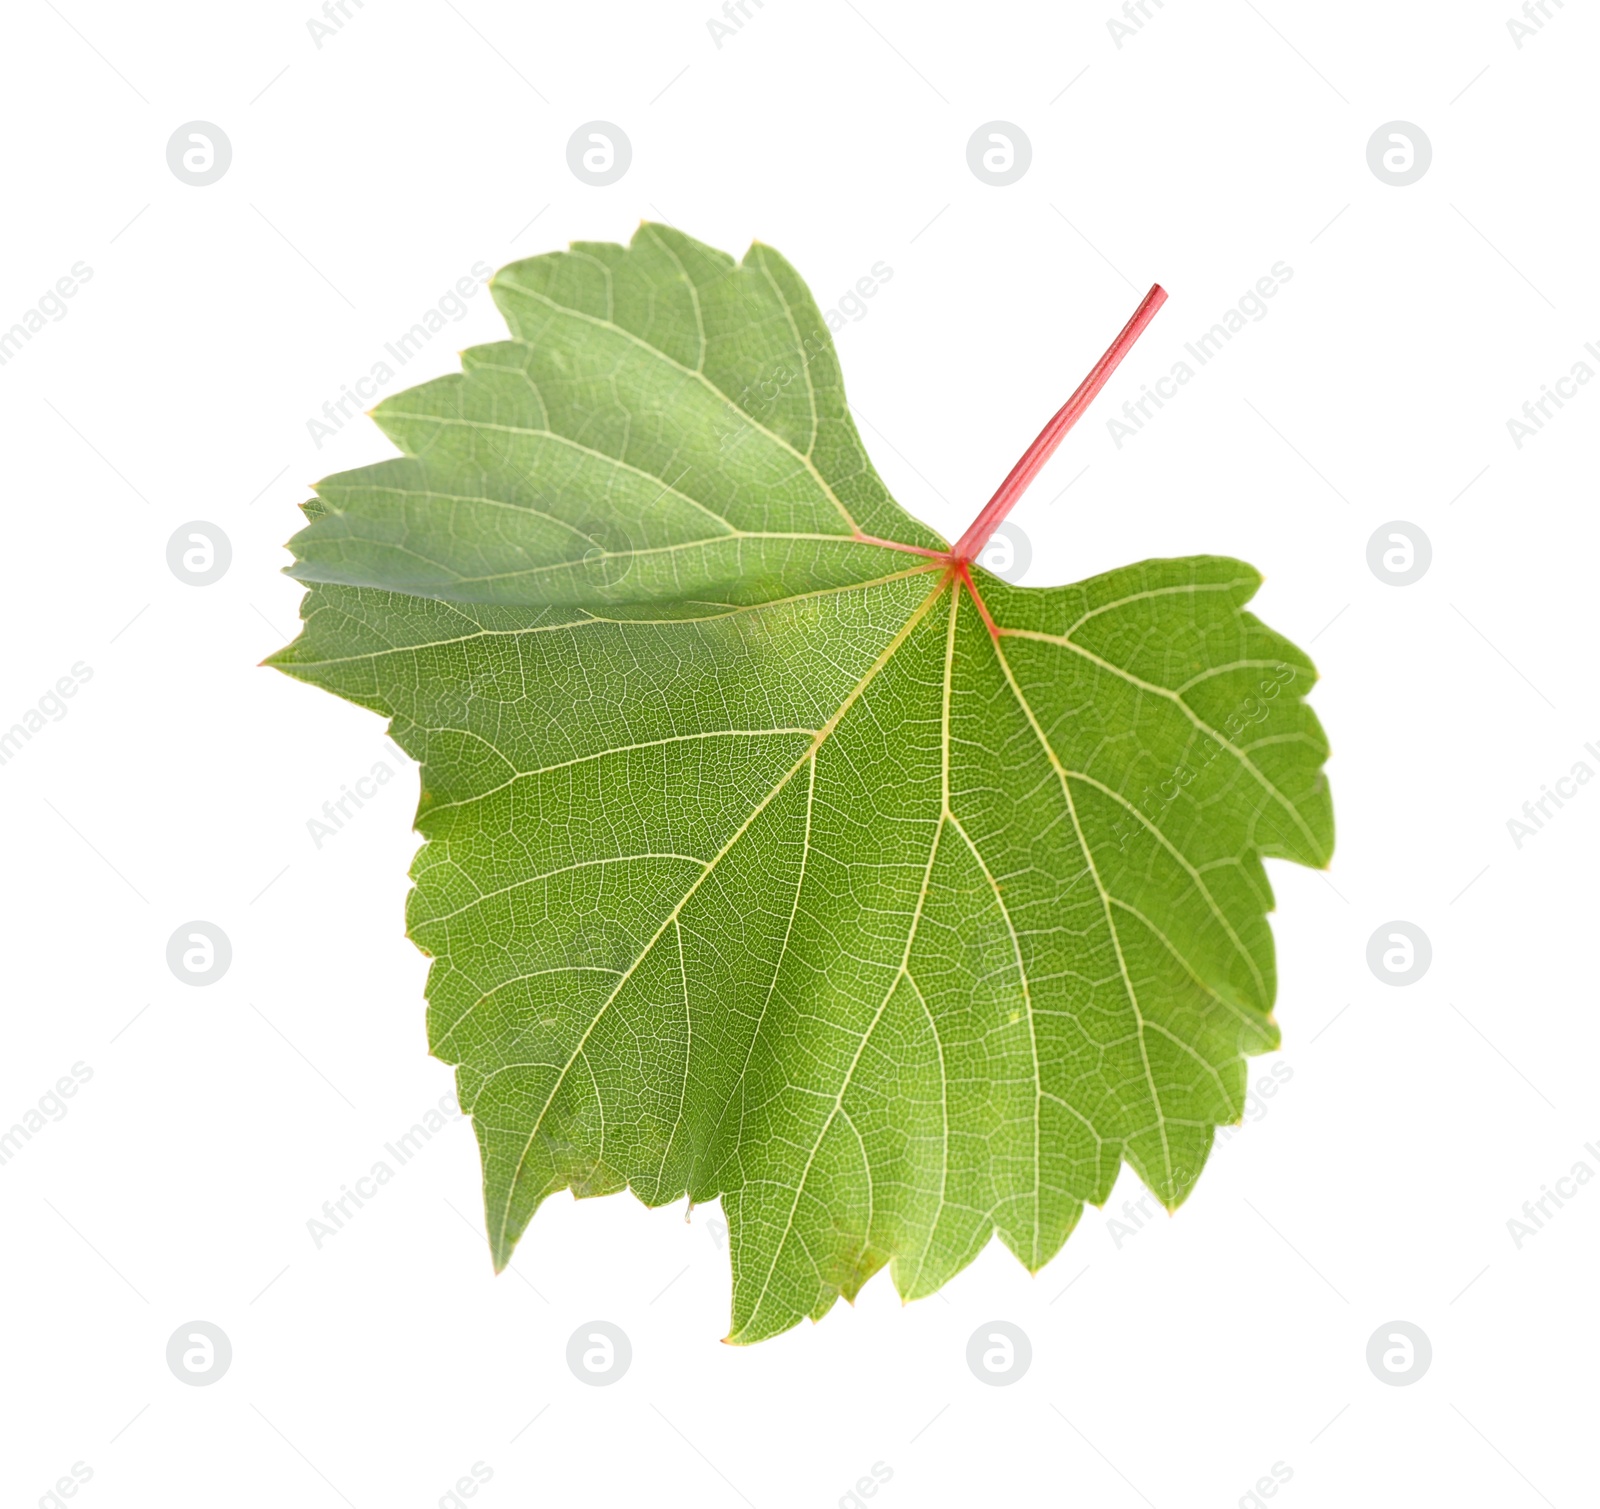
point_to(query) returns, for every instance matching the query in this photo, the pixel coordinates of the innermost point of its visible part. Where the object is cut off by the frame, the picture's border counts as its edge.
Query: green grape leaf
(773, 850)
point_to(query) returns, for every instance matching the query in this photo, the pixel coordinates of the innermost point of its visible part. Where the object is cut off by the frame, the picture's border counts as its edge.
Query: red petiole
(1033, 459)
(959, 557)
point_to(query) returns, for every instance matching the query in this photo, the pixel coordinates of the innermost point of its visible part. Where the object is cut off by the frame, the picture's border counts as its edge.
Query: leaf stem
(1034, 458)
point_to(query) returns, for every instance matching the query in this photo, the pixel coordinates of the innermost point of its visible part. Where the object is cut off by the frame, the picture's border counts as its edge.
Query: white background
(371, 173)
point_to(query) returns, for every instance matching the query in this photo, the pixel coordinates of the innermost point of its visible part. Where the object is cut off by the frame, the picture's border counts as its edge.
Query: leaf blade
(793, 883)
